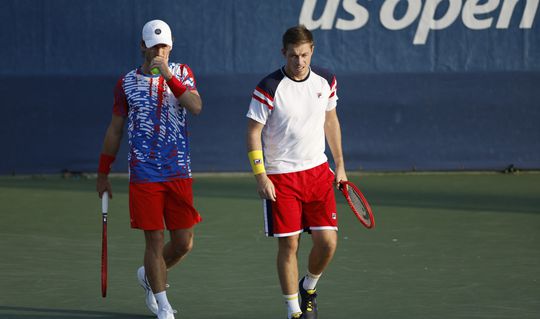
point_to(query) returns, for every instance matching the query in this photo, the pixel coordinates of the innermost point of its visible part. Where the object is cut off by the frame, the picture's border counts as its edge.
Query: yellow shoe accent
(311, 291)
(296, 315)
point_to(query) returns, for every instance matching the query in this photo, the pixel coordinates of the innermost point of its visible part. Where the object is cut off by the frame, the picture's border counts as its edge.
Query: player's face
(161, 50)
(298, 58)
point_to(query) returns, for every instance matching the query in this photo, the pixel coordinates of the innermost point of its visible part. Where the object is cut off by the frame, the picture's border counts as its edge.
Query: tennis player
(292, 110)
(154, 100)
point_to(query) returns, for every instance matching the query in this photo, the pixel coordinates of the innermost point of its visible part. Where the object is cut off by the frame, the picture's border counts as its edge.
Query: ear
(143, 45)
(284, 51)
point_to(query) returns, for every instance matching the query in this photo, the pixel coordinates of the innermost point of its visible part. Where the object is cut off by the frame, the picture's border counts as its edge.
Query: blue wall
(463, 96)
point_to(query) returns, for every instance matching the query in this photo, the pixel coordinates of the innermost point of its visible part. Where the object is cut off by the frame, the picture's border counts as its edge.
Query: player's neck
(297, 76)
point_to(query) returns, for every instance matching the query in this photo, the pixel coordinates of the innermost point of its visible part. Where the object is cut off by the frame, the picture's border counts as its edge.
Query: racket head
(358, 203)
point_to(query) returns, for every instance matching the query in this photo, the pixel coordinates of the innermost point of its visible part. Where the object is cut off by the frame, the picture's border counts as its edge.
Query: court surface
(453, 245)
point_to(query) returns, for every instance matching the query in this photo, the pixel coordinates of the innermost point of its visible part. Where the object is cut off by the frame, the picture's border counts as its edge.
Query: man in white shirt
(291, 112)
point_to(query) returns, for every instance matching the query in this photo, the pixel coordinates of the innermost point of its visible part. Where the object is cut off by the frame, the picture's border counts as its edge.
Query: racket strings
(358, 204)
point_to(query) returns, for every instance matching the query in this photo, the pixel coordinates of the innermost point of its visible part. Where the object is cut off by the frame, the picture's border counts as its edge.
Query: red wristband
(105, 162)
(178, 88)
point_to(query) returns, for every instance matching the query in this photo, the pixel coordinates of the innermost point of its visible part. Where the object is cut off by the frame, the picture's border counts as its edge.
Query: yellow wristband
(257, 162)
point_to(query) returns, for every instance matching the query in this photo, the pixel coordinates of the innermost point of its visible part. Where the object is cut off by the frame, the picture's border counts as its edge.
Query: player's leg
(283, 219)
(180, 218)
(322, 252)
(154, 263)
(146, 204)
(287, 265)
(156, 271)
(321, 217)
(178, 247)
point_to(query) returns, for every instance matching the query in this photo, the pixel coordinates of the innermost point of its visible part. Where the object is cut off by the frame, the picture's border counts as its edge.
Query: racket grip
(105, 202)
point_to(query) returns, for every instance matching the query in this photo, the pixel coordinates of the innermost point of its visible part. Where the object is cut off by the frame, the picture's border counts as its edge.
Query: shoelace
(309, 301)
(309, 306)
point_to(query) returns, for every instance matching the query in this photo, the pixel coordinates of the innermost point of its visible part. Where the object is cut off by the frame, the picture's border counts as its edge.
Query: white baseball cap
(156, 32)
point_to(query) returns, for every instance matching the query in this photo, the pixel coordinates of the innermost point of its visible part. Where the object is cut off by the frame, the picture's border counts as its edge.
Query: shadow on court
(7, 312)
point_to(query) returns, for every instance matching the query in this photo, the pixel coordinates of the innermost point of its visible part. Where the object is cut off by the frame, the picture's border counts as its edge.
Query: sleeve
(120, 105)
(261, 105)
(332, 98)
(187, 78)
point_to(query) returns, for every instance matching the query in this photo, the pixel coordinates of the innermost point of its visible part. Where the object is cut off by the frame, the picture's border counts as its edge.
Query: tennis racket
(104, 209)
(358, 203)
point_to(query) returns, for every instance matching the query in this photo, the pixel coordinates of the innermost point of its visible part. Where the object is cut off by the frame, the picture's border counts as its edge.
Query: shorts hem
(182, 227)
(286, 234)
(324, 228)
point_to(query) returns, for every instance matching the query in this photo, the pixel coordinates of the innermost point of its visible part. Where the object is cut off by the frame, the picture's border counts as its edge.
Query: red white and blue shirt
(293, 113)
(157, 125)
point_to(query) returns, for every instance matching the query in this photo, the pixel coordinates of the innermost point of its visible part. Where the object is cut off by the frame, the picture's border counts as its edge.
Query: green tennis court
(453, 245)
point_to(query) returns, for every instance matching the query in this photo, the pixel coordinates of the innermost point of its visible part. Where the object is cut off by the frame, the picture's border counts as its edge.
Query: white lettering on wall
(360, 14)
(325, 21)
(472, 8)
(475, 15)
(387, 14)
(428, 21)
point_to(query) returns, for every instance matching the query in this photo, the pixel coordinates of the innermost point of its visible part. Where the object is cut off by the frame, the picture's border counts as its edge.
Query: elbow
(197, 106)
(196, 110)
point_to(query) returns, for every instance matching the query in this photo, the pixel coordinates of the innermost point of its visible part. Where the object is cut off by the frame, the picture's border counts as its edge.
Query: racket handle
(105, 202)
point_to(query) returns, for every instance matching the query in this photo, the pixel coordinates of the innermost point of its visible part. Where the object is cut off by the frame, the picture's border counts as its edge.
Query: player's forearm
(337, 154)
(113, 137)
(253, 137)
(191, 101)
(186, 98)
(111, 145)
(254, 143)
(332, 131)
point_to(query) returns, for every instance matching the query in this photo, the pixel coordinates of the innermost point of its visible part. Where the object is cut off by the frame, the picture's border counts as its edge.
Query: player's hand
(265, 187)
(103, 185)
(340, 176)
(162, 63)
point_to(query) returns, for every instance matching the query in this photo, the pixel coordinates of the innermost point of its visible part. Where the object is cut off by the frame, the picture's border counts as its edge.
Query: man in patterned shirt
(155, 99)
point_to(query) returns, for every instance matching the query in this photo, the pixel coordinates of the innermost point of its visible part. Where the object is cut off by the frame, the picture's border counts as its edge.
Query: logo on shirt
(319, 94)
(334, 215)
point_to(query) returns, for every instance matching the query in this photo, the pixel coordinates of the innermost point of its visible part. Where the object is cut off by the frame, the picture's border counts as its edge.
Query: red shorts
(152, 206)
(305, 201)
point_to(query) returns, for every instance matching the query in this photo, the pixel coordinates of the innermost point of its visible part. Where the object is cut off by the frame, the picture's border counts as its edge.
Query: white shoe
(166, 314)
(151, 302)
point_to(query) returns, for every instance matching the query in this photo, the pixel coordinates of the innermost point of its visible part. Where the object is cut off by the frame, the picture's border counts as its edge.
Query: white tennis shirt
(293, 113)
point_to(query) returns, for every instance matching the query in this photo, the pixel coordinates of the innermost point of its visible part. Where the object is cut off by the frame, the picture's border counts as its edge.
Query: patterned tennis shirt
(157, 125)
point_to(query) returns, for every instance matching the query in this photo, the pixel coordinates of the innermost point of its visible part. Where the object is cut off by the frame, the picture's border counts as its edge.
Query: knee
(328, 245)
(288, 245)
(154, 241)
(183, 247)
